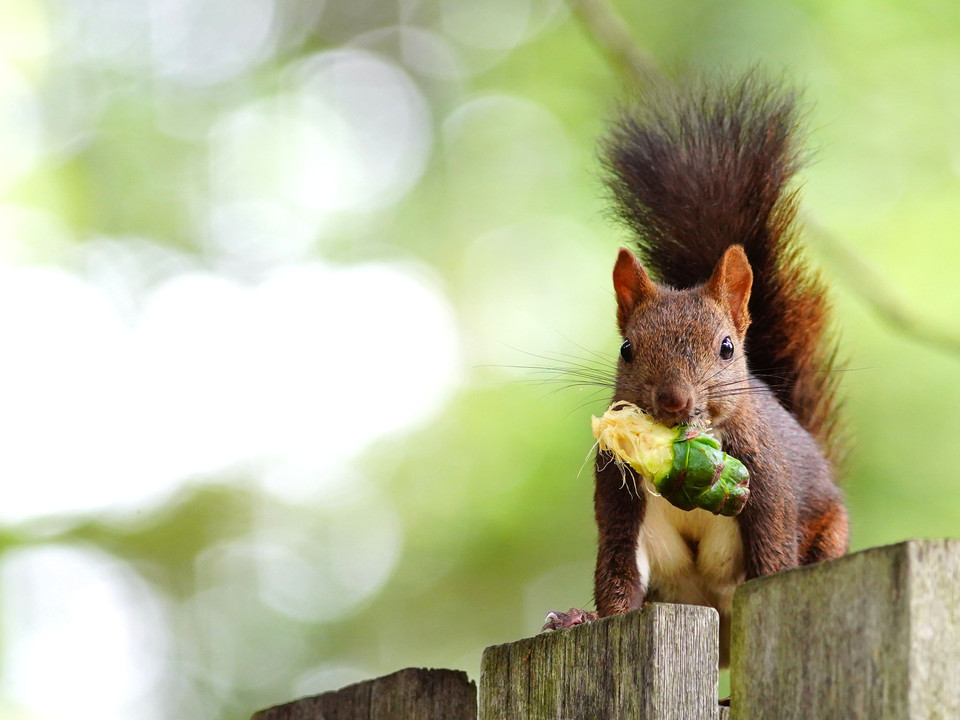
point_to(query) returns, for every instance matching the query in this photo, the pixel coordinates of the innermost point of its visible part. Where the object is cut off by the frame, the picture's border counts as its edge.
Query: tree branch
(612, 36)
(880, 295)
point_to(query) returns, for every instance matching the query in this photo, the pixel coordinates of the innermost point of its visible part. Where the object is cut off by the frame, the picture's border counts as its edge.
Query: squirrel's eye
(626, 351)
(726, 348)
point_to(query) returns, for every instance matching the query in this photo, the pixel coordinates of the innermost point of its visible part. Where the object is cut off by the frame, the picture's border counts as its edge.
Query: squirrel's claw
(550, 622)
(562, 620)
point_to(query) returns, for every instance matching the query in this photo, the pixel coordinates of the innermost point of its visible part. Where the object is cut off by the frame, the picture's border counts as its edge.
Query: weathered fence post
(411, 694)
(657, 663)
(872, 635)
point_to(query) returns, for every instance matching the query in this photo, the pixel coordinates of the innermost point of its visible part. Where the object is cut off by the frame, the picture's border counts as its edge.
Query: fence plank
(872, 635)
(411, 694)
(658, 663)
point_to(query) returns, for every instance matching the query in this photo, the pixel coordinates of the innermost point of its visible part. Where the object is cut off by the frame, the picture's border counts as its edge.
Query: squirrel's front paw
(562, 620)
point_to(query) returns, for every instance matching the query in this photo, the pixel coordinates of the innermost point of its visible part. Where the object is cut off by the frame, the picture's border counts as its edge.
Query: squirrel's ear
(730, 284)
(632, 285)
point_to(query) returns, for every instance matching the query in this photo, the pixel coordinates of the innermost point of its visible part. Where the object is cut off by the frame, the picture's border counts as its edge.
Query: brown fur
(795, 512)
(695, 171)
(619, 513)
(702, 177)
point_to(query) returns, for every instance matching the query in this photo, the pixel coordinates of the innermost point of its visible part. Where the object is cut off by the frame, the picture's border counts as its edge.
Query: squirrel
(734, 336)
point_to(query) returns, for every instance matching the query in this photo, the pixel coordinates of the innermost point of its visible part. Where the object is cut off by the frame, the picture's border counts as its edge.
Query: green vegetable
(685, 464)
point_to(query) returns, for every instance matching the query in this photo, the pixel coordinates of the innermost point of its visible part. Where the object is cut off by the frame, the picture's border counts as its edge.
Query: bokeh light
(77, 615)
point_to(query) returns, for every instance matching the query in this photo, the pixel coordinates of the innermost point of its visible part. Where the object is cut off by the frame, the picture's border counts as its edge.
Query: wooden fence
(874, 635)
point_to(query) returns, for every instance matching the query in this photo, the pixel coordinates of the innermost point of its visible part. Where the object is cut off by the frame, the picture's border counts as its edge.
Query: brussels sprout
(685, 464)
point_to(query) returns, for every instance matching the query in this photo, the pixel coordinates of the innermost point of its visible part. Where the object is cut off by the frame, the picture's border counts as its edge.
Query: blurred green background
(268, 268)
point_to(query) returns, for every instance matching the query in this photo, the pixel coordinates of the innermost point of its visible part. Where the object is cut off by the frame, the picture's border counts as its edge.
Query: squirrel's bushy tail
(697, 169)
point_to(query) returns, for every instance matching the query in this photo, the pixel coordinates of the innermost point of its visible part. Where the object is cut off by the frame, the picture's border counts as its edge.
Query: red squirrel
(734, 334)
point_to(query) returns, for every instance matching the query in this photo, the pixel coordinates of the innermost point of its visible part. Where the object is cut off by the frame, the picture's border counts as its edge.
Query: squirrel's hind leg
(826, 534)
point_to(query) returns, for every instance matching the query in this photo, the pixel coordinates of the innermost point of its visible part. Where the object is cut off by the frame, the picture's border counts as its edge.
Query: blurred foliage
(462, 529)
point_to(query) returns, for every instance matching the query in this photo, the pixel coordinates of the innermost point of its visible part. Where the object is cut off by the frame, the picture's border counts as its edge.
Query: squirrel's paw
(562, 620)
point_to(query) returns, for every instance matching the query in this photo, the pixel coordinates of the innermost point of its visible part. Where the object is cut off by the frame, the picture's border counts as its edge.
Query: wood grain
(657, 663)
(872, 635)
(410, 694)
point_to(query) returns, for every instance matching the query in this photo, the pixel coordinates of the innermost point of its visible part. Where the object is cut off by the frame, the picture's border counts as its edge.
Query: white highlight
(79, 621)
(289, 378)
(352, 134)
(20, 142)
(201, 42)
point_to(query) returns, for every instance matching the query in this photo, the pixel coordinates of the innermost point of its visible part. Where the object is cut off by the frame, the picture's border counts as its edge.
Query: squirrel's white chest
(692, 557)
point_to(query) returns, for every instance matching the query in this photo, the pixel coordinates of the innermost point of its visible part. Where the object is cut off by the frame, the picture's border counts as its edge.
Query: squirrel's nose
(674, 402)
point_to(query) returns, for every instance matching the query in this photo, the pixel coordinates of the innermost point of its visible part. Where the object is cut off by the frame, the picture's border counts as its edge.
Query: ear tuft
(631, 284)
(730, 284)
